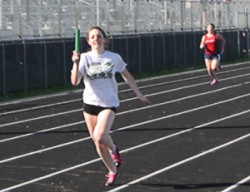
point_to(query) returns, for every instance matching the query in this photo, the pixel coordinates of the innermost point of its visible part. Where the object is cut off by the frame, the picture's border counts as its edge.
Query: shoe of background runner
(214, 82)
(219, 57)
(111, 177)
(116, 156)
(218, 62)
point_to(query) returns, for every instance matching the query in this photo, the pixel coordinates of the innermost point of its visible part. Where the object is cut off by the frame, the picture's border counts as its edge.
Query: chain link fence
(22, 19)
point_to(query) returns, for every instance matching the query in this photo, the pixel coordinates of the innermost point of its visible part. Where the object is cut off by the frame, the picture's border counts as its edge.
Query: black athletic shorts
(95, 110)
(211, 56)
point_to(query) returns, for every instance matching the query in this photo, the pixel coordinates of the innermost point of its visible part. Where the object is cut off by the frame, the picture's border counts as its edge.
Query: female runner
(212, 55)
(97, 68)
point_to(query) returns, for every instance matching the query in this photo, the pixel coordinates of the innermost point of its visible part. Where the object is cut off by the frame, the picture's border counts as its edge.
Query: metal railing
(58, 18)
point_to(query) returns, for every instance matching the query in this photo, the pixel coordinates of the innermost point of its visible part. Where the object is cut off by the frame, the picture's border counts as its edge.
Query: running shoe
(111, 177)
(116, 156)
(219, 60)
(214, 82)
(219, 57)
(219, 67)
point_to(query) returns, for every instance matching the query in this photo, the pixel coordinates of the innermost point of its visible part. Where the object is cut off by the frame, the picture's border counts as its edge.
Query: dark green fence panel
(198, 53)
(146, 53)
(119, 45)
(14, 67)
(69, 47)
(35, 62)
(2, 70)
(231, 49)
(170, 50)
(55, 62)
(134, 59)
(180, 44)
(158, 52)
(190, 49)
(243, 36)
(43, 63)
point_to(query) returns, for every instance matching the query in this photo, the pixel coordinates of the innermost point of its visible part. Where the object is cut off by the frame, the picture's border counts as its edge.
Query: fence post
(164, 50)
(152, 51)
(25, 67)
(122, 16)
(195, 44)
(140, 64)
(175, 51)
(136, 14)
(238, 41)
(64, 63)
(4, 72)
(182, 15)
(20, 21)
(165, 12)
(59, 17)
(185, 50)
(107, 17)
(246, 18)
(191, 16)
(148, 17)
(247, 36)
(97, 12)
(45, 66)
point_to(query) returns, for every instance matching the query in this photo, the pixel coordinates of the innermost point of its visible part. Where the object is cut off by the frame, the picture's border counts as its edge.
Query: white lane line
(125, 100)
(39, 118)
(124, 128)
(121, 113)
(187, 130)
(190, 78)
(123, 151)
(39, 107)
(42, 150)
(41, 131)
(190, 110)
(180, 163)
(48, 176)
(121, 91)
(243, 181)
(139, 80)
(78, 100)
(198, 71)
(33, 99)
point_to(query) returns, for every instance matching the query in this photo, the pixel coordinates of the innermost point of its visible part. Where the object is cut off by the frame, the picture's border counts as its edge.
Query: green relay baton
(77, 40)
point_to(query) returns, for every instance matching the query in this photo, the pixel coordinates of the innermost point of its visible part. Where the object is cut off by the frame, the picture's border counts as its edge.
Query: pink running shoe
(116, 156)
(111, 178)
(214, 82)
(219, 67)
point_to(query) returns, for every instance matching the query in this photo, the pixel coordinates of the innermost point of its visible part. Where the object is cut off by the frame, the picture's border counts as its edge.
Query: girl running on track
(97, 68)
(212, 56)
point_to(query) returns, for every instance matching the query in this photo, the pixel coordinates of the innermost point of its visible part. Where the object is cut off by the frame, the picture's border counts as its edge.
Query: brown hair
(98, 28)
(213, 26)
(102, 31)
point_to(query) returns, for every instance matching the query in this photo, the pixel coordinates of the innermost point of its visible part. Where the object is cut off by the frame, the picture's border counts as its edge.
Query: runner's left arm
(223, 42)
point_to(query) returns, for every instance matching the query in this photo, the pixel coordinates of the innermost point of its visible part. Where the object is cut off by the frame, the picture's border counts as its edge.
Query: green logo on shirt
(100, 70)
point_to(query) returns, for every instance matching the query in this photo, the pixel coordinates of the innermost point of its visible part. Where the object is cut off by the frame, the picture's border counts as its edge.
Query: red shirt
(211, 44)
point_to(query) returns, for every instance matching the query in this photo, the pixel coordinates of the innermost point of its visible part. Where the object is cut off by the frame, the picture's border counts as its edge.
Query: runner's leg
(99, 127)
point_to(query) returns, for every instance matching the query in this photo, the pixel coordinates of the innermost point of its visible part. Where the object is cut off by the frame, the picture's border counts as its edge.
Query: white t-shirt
(98, 72)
